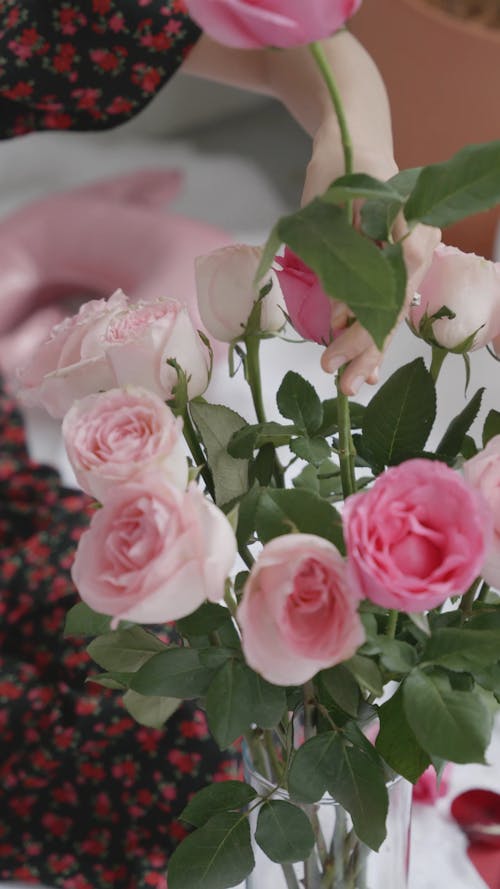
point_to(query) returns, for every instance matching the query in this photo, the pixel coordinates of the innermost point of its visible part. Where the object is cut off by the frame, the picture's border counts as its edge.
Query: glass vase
(339, 860)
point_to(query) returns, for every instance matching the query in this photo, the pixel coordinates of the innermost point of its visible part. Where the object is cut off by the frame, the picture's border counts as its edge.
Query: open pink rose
(154, 553)
(115, 343)
(416, 537)
(249, 24)
(483, 473)
(227, 292)
(118, 435)
(57, 374)
(469, 286)
(298, 614)
(309, 307)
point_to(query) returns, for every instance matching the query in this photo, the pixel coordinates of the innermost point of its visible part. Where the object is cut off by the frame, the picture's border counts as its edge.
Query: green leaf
(125, 650)
(217, 424)
(175, 673)
(119, 681)
(342, 688)
(462, 649)
(378, 215)
(468, 183)
(284, 832)
(491, 427)
(297, 400)
(229, 701)
(395, 655)
(215, 856)
(350, 267)
(83, 621)
(250, 438)
(268, 702)
(269, 251)
(150, 710)
(312, 450)
(208, 618)
(452, 441)
(279, 512)
(359, 185)
(224, 796)
(396, 742)
(366, 672)
(399, 417)
(349, 768)
(454, 725)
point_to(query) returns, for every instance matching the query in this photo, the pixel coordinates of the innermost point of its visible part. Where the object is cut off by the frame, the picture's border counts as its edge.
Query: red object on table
(477, 812)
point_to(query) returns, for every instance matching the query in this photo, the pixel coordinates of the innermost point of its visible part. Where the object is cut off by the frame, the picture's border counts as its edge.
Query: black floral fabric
(86, 64)
(89, 799)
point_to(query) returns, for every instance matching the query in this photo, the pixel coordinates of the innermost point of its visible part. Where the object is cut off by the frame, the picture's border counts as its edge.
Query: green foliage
(396, 742)
(150, 710)
(452, 442)
(81, 620)
(284, 832)
(400, 416)
(216, 425)
(226, 796)
(215, 856)
(125, 650)
(491, 426)
(454, 725)
(176, 673)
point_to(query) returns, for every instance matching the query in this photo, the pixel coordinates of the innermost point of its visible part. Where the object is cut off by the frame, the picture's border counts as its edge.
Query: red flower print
(147, 77)
(21, 90)
(55, 121)
(101, 6)
(119, 105)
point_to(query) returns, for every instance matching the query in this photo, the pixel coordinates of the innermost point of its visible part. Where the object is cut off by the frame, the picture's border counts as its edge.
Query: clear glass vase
(339, 860)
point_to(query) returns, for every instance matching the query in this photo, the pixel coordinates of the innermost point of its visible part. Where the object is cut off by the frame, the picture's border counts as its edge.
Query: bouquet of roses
(357, 636)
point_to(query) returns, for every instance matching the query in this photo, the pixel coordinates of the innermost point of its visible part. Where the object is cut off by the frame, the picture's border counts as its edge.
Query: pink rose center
(310, 606)
(138, 536)
(416, 556)
(128, 326)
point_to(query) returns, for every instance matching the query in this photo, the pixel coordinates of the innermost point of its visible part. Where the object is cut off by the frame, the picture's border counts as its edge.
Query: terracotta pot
(443, 78)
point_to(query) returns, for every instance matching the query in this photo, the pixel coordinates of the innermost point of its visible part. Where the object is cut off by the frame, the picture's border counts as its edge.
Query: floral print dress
(89, 799)
(86, 64)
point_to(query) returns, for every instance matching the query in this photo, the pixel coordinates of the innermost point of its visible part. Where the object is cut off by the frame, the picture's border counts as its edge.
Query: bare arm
(292, 77)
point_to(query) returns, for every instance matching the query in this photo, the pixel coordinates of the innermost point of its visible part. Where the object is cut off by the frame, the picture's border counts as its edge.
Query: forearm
(292, 76)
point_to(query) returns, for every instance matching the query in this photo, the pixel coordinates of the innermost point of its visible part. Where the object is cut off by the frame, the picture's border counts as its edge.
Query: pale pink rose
(140, 340)
(250, 24)
(154, 553)
(227, 293)
(417, 537)
(483, 473)
(116, 436)
(57, 373)
(113, 343)
(298, 614)
(309, 307)
(469, 286)
(428, 790)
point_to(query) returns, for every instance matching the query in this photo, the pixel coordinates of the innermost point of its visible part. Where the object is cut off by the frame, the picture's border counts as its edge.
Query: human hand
(354, 346)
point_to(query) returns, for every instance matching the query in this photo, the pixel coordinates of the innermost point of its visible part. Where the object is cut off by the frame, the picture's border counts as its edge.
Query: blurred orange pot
(443, 78)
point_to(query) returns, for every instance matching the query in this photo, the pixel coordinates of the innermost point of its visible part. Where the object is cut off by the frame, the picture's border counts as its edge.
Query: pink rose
(57, 374)
(227, 293)
(298, 614)
(416, 537)
(483, 473)
(470, 287)
(140, 340)
(308, 305)
(154, 553)
(247, 24)
(114, 343)
(115, 436)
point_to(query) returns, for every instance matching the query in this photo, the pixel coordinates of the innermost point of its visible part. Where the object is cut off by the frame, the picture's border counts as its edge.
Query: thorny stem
(252, 366)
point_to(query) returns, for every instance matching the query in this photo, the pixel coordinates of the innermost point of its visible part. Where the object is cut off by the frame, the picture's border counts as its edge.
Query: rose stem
(438, 356)
(252, 366)
(347, 452)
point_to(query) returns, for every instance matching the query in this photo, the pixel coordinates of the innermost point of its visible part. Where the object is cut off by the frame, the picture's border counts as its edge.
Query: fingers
(418, 248)
(355, 348)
